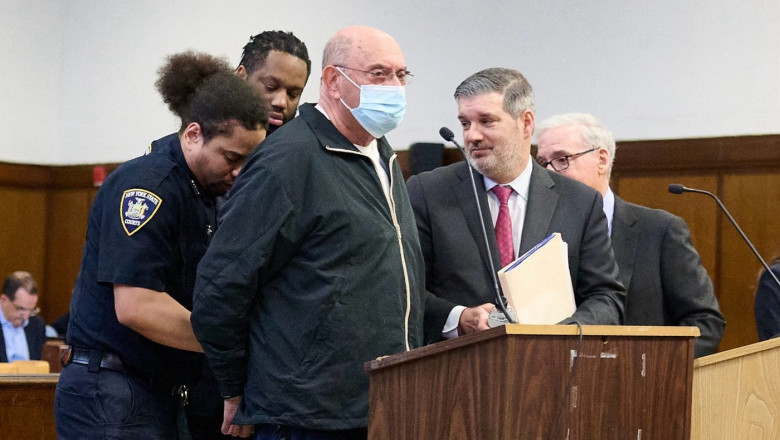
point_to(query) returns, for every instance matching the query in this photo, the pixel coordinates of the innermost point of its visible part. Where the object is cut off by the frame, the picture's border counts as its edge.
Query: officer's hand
(474, 319)
(228, 428)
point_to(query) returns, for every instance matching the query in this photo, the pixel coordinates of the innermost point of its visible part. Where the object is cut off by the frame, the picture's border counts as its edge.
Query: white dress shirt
(517, 203)
(609, 208)
(16, 348)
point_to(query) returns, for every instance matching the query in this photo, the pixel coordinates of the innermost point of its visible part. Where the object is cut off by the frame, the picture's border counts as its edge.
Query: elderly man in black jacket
(316, 265)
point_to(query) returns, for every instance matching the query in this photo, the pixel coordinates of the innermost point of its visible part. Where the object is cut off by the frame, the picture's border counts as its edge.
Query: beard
(272, 128)
(216, 189)
(502, 160)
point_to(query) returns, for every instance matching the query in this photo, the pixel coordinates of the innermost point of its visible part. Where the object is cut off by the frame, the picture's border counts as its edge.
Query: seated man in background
(661, 270)
(23, 330)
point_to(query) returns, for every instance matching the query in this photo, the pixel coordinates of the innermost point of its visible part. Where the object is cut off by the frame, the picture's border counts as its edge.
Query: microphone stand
(676, 188)
(448, 136)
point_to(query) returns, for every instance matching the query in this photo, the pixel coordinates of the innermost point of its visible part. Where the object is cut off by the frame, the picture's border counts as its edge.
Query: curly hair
(256, 50)
(202, 88)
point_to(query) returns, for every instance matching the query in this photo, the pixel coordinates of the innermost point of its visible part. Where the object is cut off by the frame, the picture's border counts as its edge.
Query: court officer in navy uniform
(133, 349)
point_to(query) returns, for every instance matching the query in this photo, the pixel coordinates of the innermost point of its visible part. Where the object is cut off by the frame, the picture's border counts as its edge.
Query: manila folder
(537, 285)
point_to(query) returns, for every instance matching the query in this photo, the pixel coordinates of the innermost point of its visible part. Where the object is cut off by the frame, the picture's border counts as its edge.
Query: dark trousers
(109, 404)
(274, 432)
(206, 408)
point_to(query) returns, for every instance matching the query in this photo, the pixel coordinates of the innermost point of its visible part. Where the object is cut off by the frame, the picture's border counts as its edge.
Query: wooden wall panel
(753, 201)
(46, 210)
(23, 233)
(698, 211)
(24, 176)
(744, 173)
(27, 406)
(67, 231)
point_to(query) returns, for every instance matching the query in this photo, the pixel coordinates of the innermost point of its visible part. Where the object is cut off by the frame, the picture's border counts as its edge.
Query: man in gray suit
(496, 112)
(659, 266)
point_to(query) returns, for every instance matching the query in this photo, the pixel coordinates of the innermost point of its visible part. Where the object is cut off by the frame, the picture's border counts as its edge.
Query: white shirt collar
(519, 185)
(609, 208)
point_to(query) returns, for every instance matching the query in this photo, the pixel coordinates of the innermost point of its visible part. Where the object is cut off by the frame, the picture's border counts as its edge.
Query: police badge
(137, 207)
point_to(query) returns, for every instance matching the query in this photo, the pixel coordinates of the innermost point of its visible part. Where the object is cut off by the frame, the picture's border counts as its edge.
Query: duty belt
(107, 360)
(95, 360)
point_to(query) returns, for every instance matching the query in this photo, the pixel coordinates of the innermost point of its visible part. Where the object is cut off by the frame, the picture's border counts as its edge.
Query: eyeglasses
(561, 163)
(19, 309)
(385, 75)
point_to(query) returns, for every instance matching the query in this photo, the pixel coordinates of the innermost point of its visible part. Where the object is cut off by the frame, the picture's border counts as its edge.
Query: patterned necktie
(504, 225)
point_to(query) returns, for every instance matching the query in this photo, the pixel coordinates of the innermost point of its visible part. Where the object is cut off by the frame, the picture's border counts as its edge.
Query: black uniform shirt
(149, 227)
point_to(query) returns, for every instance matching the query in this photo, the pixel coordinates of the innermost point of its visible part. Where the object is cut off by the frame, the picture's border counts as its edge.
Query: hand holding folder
(537, 285)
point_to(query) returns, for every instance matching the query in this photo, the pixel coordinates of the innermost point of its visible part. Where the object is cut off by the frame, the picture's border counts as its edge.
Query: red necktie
(504, 225)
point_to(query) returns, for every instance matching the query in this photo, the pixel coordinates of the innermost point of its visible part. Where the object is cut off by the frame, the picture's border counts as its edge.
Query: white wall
(77, 76)
(30, 63)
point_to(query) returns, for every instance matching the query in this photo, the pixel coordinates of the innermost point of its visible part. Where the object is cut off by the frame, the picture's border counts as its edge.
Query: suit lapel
(465, 197)
(29, 336)
(624, 239)
(3, 355)
(542, 200)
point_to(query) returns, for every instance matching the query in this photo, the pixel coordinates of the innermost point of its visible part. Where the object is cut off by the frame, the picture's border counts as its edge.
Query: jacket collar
(465, 197)
(542, 201)
(625, 237)
(329, 136)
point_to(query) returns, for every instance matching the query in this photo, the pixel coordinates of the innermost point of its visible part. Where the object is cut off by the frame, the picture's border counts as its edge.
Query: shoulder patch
(136, 208)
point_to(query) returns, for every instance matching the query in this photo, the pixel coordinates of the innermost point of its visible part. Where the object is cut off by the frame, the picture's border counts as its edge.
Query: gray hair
(337, 51)
(594, 135)
(517, 92)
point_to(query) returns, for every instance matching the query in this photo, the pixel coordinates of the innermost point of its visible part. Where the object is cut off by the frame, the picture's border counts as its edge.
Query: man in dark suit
(496, 112)
(660, 268)
(766, 305)
(23, 332)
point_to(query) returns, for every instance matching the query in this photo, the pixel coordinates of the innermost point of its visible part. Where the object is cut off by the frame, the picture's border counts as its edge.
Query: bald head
(352, 58)
(358, 42)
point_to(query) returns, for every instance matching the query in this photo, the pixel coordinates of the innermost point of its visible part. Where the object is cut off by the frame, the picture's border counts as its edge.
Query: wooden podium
(27, 406)
(538, 382)
(736, 394)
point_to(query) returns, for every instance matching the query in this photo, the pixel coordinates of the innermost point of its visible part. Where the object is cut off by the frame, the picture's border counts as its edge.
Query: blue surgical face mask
(381, 108)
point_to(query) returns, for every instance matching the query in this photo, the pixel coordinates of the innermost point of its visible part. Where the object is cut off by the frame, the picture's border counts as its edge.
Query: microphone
(448, 136)
(676, 188)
